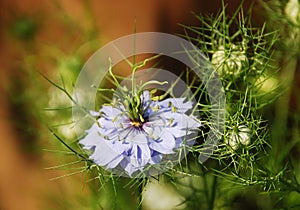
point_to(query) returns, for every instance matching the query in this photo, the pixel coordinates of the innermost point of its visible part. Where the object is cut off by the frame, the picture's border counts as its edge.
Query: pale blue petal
(110, 112)
(103, 154)
(145, 97)
(114, 163)
(178, 103)
(189, 122)
(177, 132)
(156, 132)
(137, 137)
(94, 114)
(133, 156)
(156, 120)
(148, 129)
(106, 124)
(181, 120)
(165, 144)
(156, 157)
(145, 154)
(130, 169)
(118, 146)
(91, 138)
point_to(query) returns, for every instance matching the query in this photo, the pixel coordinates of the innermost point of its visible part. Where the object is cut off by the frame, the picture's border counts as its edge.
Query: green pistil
(135, 110)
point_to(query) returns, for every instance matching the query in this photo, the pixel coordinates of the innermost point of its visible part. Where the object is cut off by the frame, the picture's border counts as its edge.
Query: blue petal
(135, 159)
(178, 103)
(176, 132)
(155, 157)
(114, 163)
(156, 132)
(137, 137)
(182, 120)
(129, 168)
(145, 155)
(105, 151)
(189, 123)
(165, 144)
(91, 138)
(157, 120)
(104, 154)
(94, 114)
(110, 112)
(145, 97)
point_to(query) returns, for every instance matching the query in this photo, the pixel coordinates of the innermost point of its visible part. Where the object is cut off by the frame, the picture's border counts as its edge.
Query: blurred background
(51, 37)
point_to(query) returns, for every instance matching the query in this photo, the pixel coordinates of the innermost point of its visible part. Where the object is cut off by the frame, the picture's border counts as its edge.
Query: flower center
(136, 124)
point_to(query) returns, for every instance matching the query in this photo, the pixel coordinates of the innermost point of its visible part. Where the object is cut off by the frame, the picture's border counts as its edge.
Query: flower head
(136, 131)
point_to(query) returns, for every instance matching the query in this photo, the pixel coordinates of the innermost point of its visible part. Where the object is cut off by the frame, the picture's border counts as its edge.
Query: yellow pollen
(174, 109)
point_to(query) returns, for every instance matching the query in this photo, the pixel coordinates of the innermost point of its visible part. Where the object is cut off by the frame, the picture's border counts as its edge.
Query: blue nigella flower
(137, 132)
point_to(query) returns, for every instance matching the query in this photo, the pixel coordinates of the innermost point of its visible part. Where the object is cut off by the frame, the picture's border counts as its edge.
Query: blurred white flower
(162, 196)
(266, 84)
(57, 99)
(292, 11)
(67, 130)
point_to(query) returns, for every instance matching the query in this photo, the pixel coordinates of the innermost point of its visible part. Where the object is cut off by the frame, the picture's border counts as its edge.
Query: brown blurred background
(26, 28)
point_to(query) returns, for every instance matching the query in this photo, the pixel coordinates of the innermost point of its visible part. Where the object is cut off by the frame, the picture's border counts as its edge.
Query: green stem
(213, 194)
(293, 187)
(140, 195)
(280, 126)
(205, 184)
(136, 67)
(115, 193)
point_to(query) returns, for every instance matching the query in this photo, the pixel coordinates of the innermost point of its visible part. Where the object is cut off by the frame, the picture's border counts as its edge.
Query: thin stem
(213, 194)
(205, 185)
(291, 186)
(140, 195)
(136, 67)
(280, 124)
(70, 148)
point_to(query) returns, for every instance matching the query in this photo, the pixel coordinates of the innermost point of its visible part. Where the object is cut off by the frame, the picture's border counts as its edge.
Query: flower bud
(239, 136)
(229, 61)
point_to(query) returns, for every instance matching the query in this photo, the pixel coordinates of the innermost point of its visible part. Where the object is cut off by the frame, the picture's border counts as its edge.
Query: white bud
(229, 61)
(240, 136)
